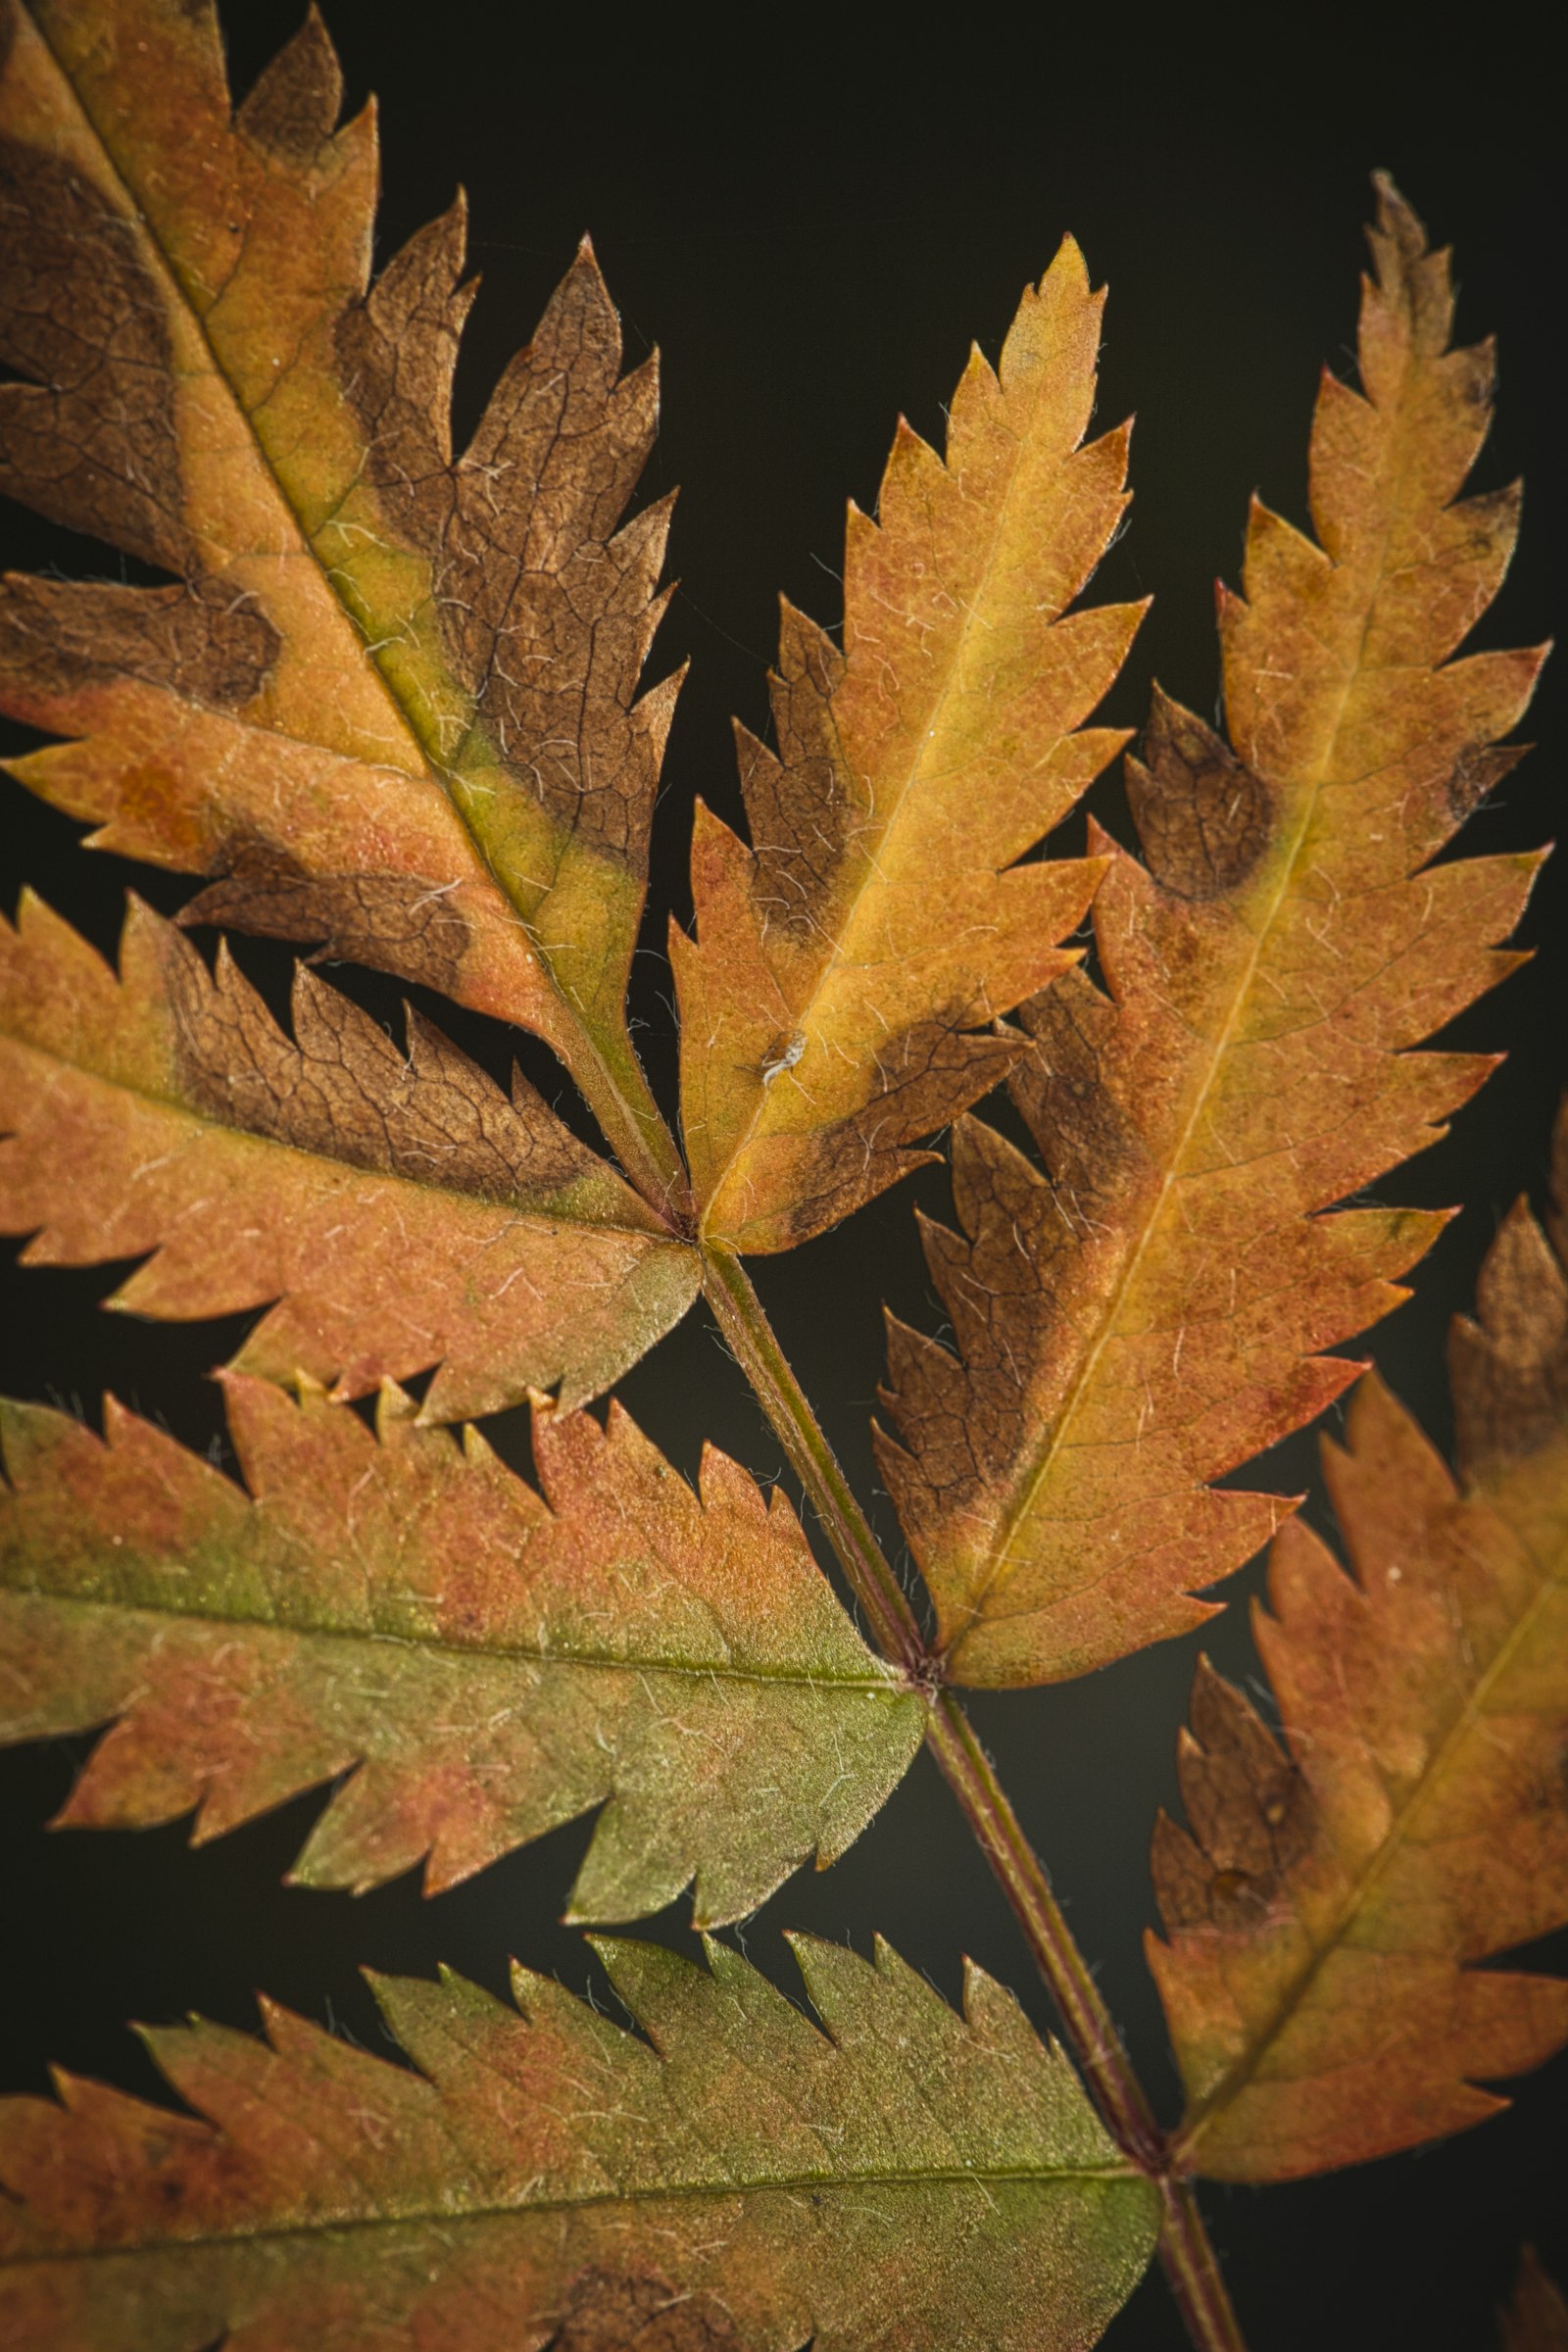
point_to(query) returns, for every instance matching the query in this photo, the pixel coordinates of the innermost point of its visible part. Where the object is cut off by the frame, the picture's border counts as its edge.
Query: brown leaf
(401, 1211)
(846, 960)
(1148, 1315)
(1327, 1913)
(1510, 1366)
(392, 709)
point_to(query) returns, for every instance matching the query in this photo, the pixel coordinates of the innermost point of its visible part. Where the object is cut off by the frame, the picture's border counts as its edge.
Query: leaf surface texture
(391, 706)
(844, 961)
(905, 2180)
(401, 1209)
(1148, 1316)
(492, 1664)
(1326, 1915)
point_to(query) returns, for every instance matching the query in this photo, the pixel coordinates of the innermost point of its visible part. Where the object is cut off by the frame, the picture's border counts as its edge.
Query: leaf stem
(1193, 2272)
(754, 1345)
(1189, 2264)
(1090, 2029)
(615, 1090)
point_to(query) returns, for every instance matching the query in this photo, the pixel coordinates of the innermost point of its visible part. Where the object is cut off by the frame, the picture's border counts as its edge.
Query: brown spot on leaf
(795, 804)
(925, 1078)
(606, 2313)
(293, 108)
(1084, 1135)
(1510, 1367)
(1202, 816)
(201, 639)
(343, 1090)
(397, 922)
(1249, 1807)
(546, 609)
(90, 441)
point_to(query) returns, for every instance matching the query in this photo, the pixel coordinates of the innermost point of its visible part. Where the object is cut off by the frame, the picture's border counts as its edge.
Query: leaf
(1149, 1316)
(391, 707)
(844, 960)
(1328, 1916)
(493, 1664)
(401, 1211)
(909, 2179)
(1536, 2319)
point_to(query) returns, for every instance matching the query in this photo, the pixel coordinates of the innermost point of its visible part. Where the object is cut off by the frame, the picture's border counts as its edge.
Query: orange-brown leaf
(391, 707)
(401, 1211)
(1327, 1914)
(483, 1663)
(1535, 2316)
(1149, 1316)
(844, 961)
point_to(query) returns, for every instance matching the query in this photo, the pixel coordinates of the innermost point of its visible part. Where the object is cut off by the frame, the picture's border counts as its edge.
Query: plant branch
(754, 1345)
(1189, 2260)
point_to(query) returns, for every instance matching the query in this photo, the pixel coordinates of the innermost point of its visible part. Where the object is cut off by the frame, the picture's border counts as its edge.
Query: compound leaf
(1148, 1317)
(391, 706)
(907, 2179)
(1327, 1917)
(845, 960)
(401, 1209)
(492, 1664)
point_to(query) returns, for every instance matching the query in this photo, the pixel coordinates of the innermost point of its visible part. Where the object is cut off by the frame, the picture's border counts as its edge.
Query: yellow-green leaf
(487, 1663)
(904, 2181)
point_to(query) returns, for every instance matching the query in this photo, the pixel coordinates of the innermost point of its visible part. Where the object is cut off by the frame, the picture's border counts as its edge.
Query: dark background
(812, 222)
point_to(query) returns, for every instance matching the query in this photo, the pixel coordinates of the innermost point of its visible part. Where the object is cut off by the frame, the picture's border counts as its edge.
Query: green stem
(611, 1081)
(754, 1345)
(1193, 2272)
(1090, 2026)
(1189, 2260)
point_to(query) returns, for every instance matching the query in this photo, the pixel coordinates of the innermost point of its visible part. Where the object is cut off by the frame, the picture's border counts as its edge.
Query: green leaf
(913, 2182)
(493, 1663)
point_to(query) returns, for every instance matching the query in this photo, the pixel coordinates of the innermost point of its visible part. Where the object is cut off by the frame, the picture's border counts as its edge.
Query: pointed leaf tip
(1416, 1822)
(843, 963)
(1246, 1066)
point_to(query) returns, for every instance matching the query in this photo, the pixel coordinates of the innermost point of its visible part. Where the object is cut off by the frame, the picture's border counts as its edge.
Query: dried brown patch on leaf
(1509, 1366)
(418, 668)
(485, 1664)
(606, 2313)
(902, 2177)
(1325, 1914)
(1149, 1314)
(399, 1209)
(404, 922)
(879, 917)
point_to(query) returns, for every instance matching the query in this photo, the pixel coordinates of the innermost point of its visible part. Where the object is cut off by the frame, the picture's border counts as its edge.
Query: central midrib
(872, 876)
(880, 1686)
(981, 2176)
(402, 717)
(1059, 1437)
